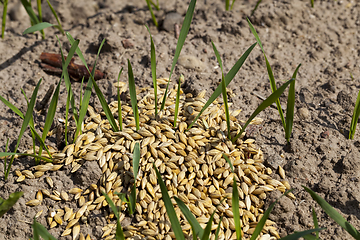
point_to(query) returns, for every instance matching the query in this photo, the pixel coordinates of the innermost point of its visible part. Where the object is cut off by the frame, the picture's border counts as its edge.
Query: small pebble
(191, 62)
(127, 43)
(170, 20)
(325, 134)
(304, 113)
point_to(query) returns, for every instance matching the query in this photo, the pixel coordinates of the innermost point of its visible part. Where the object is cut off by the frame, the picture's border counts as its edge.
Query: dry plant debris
(191, 163)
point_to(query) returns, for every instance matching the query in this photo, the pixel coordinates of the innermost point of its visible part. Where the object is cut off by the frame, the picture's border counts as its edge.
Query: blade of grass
(57, 18)
(290, 107)
(38, 27)
(334, 214)
(207, 229)
(38, 2)
(228, 78)
(183, 33)
(5, 205)
(270, 73)
(136, 162)
(316, 224)
(232, 5)
(65, 74)
(256, 6)
(67, 117)
(267, 102)
(218, 229)
(119, 101)
(312, 3)
(34, 19)
(119, 232)
(31, 123)
(132, 91)
(298, 235)
(197, 229)
(227, 5)
(50, 114)
(223, 88)
(87, 94)
(103, 102)
(153, 70)
(235, 202)
(32, 127)
(4, 154)
(355, 117)
(26, 121)
(4, 19)
(6, 149)
(157, 6)
(152, 13)
(175, 224)
(40, 230)
(177, 99)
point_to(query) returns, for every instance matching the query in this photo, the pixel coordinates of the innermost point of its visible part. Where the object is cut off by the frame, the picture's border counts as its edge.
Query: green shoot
(223, 88)
(270, 73)
(81, 90)
(38, 27)
(227, 5)
(148, 2)
(66, 77)
(136, 163)
(133, 96)
(207, 229)
(316, 225)
(103, 102)
(34, 19)
(157, 6)
(197, 229)
(228, 78)
(67, 117)
(267, 102)
(38, 2)
(119, 232)
(5, 205)
(59, 27)
(153, 71)
(119, 101)
(4, 18)
(334, 214)
(183, 33)
(87, 94)
(175, 224)
(355, 117)
(50, 114)
(312, 3)
(218, 229)
(298, 235)
(256, 6)
(351, 76)
(31, 125)
(6, 149)
(290, 107)
(40, 230)
(27, 118)
(177, 100)
(5, 154)
(235, 202)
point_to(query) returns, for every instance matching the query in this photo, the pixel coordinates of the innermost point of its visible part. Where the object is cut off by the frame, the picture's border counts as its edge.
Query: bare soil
(324, 39)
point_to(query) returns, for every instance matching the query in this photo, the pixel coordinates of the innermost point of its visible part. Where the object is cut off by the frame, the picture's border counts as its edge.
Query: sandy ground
(324, 39)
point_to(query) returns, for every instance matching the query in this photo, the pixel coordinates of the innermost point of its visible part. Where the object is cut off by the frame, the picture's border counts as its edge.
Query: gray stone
(170, 20)
(191, 62)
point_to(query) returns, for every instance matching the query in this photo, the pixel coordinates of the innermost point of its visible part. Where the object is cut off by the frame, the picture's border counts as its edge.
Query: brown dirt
(324, 39)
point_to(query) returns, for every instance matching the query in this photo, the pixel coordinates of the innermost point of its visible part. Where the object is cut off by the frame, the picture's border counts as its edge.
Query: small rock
(304, 113)
(17, 12)
(191, 62)
(170, 20)
(274, 161)
(325, 134)
(345, 100)
(127, 43)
